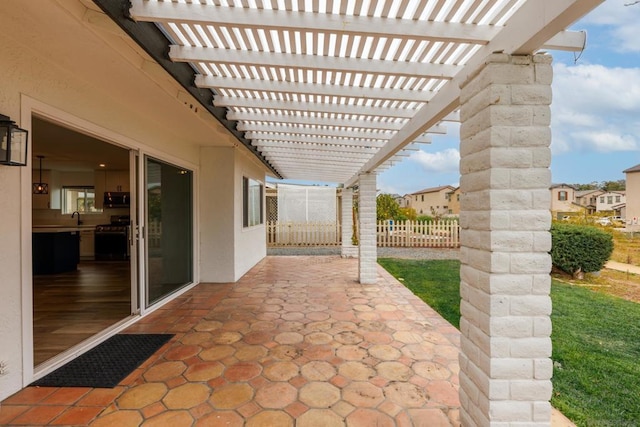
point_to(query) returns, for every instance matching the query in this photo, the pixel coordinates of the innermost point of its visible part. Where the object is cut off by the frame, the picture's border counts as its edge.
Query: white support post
(505, 219)
(367, 228)
(348, 249)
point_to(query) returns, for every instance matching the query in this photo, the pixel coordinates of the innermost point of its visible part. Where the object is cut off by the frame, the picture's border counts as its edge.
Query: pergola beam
(313, 107)
(318, 121)
(314, 89)
(311, 62)
(201, 14)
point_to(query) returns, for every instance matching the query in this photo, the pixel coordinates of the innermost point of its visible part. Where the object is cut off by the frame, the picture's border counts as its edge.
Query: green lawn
(596, 342)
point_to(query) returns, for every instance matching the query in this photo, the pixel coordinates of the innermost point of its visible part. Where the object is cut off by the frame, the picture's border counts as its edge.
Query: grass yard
(596, 342)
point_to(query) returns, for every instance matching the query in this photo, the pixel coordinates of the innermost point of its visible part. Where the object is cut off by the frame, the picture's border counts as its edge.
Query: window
(422, 198)
(609, 200)
(562, 195)
(617, 199)
(601, 199)
(458, 197)
(251, 202)
(81, 199)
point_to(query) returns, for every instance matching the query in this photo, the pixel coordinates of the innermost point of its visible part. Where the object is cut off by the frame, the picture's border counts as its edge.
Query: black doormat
(105, 365)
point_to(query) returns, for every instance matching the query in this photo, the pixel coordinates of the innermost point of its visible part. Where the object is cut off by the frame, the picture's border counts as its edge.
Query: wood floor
(71, 307)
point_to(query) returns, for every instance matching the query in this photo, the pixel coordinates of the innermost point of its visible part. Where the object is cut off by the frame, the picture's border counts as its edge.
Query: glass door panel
(169, 229)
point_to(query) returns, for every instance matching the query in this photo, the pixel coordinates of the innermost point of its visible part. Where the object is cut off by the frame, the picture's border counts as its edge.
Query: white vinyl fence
(433, 234)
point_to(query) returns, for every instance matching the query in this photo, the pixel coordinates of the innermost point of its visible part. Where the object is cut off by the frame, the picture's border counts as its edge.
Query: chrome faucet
(74, 214)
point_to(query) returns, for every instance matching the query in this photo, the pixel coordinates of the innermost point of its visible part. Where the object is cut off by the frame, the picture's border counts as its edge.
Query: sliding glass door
(169, 229)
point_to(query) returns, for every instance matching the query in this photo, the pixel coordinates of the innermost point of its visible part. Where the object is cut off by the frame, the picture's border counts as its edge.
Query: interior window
(81, 199)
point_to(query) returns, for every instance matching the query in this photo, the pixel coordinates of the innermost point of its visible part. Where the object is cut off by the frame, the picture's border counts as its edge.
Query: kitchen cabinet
(55, 251)
(115, 180)
(111, 181)
(87, 244)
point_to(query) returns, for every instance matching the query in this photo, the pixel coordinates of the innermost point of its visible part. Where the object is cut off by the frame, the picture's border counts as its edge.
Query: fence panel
(432, 234)
(303, 234)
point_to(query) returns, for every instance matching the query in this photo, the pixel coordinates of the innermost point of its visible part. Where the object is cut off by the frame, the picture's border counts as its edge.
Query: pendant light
(40, 187)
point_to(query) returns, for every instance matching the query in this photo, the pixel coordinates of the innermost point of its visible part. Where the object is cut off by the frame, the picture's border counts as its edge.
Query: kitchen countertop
(59, 228)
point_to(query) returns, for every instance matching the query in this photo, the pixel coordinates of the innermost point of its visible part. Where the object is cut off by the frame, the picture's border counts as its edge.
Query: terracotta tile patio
(297, 341)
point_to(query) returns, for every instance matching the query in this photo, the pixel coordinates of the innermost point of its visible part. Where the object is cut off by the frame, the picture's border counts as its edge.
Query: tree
(386, 207)
(618, 185)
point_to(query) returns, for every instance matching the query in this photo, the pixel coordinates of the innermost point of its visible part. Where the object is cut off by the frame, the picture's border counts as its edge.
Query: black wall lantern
(13, 143)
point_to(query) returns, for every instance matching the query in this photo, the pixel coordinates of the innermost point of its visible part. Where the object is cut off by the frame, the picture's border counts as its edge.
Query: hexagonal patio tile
(164, 371)
(320, 418)
(276, 395)
(270, 418)
(281, 371)
(394, 371)
(203, 371)
(362, 393)
(319, 394)
(318, 371)
(369, 417)
(231, 396)
(143, 395)
(186, 396)
(357, 371)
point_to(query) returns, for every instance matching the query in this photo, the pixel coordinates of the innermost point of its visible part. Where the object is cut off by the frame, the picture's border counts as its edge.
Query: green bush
(578, 248)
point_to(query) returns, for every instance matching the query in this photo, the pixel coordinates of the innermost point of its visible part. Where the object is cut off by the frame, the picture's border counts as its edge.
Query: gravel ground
(406, 253)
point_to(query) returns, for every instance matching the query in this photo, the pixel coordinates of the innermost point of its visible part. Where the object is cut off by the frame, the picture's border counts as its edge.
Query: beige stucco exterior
(431, 201)
(632, 210)
(69, 64)
(563, 200)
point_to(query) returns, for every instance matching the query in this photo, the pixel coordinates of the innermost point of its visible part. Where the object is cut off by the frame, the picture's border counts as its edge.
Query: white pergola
(336, 91)
(328, 90)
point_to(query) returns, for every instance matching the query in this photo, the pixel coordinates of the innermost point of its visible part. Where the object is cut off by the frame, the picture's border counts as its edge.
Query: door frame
(30, 107)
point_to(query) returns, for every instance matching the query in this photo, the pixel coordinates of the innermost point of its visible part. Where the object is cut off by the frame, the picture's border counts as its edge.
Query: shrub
(576, 249)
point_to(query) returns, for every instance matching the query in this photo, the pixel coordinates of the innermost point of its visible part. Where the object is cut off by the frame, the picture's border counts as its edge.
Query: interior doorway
(83, 280)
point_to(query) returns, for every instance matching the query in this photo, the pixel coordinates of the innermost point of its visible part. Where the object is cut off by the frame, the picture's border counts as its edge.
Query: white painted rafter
(313, 89)
(282, 20)
(315, 62)
(313, 107)
(314, 120)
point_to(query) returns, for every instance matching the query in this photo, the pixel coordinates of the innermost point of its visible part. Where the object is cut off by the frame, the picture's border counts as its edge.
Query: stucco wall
(250, 243)
(217, 214)
(633, 201)
(68, 62)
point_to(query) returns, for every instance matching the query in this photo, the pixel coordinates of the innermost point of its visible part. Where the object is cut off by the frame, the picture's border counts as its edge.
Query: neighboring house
(399, 199)
(563, 200)
(632, 210)
(432, 201)
(607, 201)
(406, 201)
(453, 197)
(588, 199)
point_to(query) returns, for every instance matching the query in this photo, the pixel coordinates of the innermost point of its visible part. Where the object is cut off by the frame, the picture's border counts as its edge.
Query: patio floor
(297, 341)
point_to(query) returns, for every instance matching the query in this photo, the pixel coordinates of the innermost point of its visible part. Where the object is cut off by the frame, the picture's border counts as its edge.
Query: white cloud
(595, 108)
(621, 23)
(442, 161)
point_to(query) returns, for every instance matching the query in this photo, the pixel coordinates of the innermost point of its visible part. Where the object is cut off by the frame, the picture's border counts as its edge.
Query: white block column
(505, 283)
(367, 252)
(348, 249)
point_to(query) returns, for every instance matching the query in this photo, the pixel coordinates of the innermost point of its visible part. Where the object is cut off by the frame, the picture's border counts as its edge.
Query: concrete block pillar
(505, 283)
(367, 252)
(348, 249)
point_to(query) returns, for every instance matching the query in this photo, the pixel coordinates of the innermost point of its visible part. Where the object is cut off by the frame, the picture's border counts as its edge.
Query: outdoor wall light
(13, 148)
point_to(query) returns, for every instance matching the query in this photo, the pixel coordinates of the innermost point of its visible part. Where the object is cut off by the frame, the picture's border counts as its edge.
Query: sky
(595, 112)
